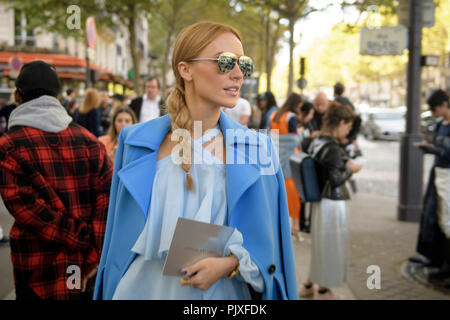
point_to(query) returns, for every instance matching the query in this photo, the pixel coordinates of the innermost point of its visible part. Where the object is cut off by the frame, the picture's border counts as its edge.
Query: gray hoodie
(45, 113)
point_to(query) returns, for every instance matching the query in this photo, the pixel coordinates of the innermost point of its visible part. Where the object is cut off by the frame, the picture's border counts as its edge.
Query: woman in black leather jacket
(328, 267)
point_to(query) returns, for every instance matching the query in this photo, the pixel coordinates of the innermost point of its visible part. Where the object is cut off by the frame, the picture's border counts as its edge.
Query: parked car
(386, 124)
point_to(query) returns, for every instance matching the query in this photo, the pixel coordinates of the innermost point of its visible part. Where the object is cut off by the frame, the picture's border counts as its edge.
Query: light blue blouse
(170, 200)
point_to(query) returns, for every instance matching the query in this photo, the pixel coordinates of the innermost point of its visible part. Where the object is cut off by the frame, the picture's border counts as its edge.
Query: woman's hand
(429, 148)
(420, 144)
(354, 167)
(89, 276)
(203, 274)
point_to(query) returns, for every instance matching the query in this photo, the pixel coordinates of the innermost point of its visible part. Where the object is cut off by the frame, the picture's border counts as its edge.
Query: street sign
(301, 83)
(428, 7)
(15, 64)
(383, 41)
(91, 32)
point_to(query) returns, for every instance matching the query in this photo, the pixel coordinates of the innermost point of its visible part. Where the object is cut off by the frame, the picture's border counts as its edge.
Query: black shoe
(422, 260)
(440, 276)
(305, 229)
(4, 240)
(353, 186)
(446, 283)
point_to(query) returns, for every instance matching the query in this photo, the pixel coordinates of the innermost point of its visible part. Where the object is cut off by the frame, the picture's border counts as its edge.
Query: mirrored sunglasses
(227, 60)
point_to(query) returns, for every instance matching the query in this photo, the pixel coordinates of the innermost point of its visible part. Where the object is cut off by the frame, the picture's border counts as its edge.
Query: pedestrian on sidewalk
(314, 126)
(54, 180)
(88, 114)
(5, 112)
(70, 96)
(350, 142)
(268, 105)
(123, 117)
(105, 110)
(151, 104)
(329, 230)
(434, 236)
(352, 136)
(150, 190)
(73, 106)
(241, 112)
(306, 114)
(285, 122)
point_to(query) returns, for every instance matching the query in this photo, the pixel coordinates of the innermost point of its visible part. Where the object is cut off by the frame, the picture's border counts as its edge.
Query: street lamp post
(411, 158)
(88, 69)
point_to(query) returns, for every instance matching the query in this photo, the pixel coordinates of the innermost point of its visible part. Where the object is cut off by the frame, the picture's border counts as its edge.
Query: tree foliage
(335, 56)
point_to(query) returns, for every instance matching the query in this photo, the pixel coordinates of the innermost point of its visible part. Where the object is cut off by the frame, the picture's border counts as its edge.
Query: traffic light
(302, 66)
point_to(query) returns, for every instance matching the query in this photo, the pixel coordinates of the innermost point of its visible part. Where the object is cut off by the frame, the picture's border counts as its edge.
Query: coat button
(272, 269)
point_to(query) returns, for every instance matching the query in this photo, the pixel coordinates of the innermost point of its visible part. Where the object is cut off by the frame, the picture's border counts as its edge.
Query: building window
(55, 41)
(23, 35)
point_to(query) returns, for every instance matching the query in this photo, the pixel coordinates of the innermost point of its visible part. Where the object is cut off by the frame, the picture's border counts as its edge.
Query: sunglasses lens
(246, 65)
(227, 62)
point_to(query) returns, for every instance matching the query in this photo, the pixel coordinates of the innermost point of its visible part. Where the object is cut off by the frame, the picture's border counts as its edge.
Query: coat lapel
(138, 174)
(242, 168)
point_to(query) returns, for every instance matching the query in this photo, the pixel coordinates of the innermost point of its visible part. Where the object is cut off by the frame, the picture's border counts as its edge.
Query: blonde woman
(88, 114)
(150, 190)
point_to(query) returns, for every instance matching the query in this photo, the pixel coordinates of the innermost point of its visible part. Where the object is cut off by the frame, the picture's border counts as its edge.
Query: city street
(381, 171)
(376, 236)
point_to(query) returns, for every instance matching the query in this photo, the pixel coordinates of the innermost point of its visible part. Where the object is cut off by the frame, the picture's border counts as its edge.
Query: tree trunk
(273, 45)
(134, 55)
(172, 21)
(268, 60)
(291, 55)
(165, 65)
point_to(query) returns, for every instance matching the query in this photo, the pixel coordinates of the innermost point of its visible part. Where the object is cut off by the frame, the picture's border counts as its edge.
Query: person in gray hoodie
(55, 179)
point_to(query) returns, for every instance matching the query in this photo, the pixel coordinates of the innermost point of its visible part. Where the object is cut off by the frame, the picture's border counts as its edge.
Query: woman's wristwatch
(235, 270)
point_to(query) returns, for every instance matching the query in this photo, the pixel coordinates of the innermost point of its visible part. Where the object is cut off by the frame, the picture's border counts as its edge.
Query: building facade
(110, 64)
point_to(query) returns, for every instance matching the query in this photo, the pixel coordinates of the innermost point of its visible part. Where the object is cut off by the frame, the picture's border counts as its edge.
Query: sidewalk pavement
(376, 238)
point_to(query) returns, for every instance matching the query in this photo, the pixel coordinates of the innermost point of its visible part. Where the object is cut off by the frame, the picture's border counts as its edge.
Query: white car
(386, 124)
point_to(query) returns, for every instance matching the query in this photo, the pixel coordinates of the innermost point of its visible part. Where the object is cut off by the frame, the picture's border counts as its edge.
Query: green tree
(261, 31)
(165, 23)
(128, 14)
(292, 11)
(52, 14)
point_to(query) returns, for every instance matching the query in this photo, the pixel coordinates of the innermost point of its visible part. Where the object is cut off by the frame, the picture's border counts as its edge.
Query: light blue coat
(256, 201)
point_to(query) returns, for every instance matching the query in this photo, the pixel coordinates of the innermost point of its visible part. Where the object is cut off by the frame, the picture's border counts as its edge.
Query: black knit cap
(38, 75)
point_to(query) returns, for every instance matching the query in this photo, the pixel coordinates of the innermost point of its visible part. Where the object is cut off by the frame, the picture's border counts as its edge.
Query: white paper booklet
(193, 241)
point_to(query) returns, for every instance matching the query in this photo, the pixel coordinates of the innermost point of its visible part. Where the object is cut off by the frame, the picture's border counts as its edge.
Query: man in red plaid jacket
(55, 178)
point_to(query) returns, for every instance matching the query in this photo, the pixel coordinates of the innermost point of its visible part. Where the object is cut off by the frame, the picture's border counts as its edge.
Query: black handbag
(303, 168)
